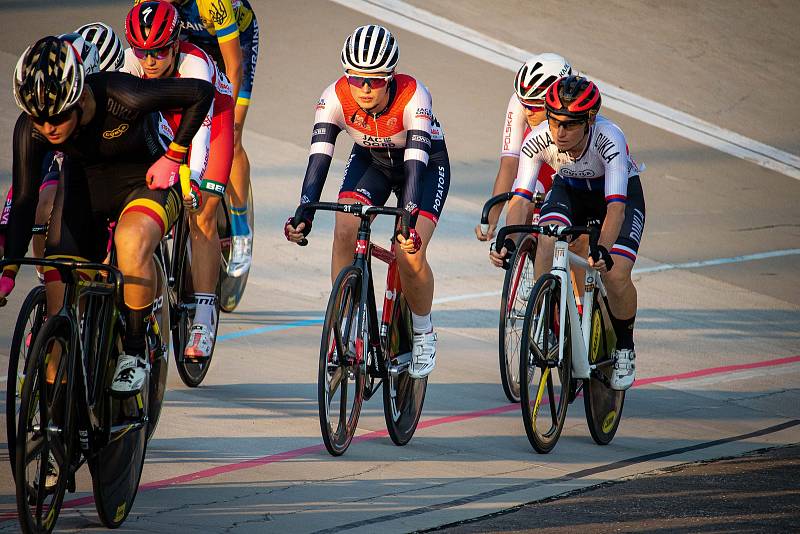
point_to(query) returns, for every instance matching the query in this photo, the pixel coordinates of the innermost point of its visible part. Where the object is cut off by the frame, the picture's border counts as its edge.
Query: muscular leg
(240, 171)
(416, 275)
(344, 239)
(136, 238)
(205, 245)
(622, 299)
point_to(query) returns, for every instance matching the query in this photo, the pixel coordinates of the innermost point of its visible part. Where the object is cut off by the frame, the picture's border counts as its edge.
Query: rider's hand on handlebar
(6, 286)
(194, 200)
(489, 233)
(295, 235)
(605, 263)
(412, 244)
(501, 259)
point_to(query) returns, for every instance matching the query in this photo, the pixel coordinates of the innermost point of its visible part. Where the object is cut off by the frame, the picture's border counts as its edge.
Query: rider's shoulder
(608, 128)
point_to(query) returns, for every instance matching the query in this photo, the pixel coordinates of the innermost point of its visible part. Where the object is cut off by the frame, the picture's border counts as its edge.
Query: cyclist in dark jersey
(118, 166)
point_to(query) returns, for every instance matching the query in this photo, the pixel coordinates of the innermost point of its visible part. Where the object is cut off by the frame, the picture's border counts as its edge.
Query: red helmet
(151, 25)
(573, 96)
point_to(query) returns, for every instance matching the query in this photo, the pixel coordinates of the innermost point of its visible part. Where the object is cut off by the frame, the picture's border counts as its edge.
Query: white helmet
(48, 78)
(108, 44)
(538, 73)
(370, 48)
(86, 50)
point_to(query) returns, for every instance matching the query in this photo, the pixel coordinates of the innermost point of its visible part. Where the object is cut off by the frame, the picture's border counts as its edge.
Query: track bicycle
(360, 353)
(231, 288)
(563, 352)
(67, 416)
(517, 283)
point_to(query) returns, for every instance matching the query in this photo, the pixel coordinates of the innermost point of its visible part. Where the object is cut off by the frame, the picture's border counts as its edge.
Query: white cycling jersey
(514, 129)
(605, 163)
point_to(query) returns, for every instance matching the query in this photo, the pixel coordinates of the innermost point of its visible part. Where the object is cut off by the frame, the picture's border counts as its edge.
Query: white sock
(205, 309)
(422, 323)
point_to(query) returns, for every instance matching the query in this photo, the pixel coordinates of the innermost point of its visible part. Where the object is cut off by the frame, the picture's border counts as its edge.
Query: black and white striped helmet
(108, 44)
(86, 50)
(370, 48)
(539, 73)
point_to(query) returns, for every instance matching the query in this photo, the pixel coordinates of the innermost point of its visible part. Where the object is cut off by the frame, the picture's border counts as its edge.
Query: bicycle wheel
(403, 396)
(192, 372)
(518, 281)
(342, 363)
(544, 381)
(603, 405)
(231, 289)
(31, 316)
(45, 440)
(117, 468)
(158, 334)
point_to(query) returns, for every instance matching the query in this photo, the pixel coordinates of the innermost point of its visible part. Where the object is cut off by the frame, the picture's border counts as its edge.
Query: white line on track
(476, 44)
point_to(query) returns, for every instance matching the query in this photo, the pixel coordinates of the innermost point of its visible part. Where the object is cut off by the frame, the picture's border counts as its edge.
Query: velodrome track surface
(717, 334)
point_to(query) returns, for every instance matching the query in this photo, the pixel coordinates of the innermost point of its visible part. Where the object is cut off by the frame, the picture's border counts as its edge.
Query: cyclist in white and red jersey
(596, 180)
(152, 29)
(525, 111)
(399, 147)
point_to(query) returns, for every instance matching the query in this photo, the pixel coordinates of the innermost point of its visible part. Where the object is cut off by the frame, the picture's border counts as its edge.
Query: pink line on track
(370, 436)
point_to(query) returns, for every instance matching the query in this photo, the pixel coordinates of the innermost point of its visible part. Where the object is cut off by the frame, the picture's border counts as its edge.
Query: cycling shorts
(575, 207)
(84, 207)
(370, 182)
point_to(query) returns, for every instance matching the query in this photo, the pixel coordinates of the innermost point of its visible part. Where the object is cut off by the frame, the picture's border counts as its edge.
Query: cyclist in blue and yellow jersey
(228, 31)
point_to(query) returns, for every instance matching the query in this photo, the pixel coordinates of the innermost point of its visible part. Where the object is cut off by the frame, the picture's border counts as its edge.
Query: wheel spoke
(552, 399)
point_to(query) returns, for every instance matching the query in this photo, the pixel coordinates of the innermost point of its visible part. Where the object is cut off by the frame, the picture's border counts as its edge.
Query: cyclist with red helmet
(152, 29)
(525, 111)
(596, 180)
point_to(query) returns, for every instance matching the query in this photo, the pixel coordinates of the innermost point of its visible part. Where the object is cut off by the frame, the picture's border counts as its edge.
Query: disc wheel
(517, 286)
(231, 289)
(45, 437)
(342, 363)
(31, 316)
(403, 396)
(545, 382)
(603, 405)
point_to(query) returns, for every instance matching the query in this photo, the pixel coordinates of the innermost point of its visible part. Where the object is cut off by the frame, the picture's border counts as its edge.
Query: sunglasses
(158, 53)
(53, 120)
(374, 82)
(567, 125)
(532, 105)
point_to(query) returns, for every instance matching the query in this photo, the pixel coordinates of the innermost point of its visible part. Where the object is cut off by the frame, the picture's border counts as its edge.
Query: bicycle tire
(159, 355)
(512, 309)
(55, 413)
(539, 351)
(31, 316)
(337, 372)
(602, 405)
(403, 409)
(116, 468)
(231, 290)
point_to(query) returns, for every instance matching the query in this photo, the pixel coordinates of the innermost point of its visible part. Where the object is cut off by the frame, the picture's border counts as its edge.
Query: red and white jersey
(515, 128)
(192, 62)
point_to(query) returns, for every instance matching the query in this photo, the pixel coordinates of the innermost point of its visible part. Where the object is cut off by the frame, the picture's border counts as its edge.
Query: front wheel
(342, 363)
(545, 382)
(403, 396)
(517, 286)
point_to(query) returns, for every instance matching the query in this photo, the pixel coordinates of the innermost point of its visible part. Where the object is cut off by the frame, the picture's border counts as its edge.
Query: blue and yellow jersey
(213, 21)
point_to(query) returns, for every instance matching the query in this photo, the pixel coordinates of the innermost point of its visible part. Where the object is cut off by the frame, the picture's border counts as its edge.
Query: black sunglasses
(54, 120)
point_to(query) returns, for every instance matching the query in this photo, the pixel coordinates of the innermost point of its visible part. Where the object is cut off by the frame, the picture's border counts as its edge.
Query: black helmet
(573, 96)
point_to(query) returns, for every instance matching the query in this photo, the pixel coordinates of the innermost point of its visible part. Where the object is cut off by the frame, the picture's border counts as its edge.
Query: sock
(422, 323)
(239, 225)
(623, 328)
(134, 342)
(205, 310)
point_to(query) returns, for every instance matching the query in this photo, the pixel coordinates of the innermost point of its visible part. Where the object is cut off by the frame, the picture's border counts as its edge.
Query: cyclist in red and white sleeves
(399, 147)
(152, 29)
(525, 111)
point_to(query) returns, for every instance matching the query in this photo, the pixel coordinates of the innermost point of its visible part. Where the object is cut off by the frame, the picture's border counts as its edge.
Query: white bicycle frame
(580, 326)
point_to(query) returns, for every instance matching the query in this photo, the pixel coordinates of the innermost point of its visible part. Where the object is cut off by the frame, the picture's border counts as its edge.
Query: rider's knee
(620, 274)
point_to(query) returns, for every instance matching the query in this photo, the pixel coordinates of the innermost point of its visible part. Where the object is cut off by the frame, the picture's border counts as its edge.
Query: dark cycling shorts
(248, 40)
(575, 207)
(370, 182)
(84, 208)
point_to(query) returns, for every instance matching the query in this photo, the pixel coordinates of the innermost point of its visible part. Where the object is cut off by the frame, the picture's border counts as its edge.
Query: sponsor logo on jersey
(411, 207)
(118, 110)
(207, 121)
(637, 226)
(604, 147)
(380, 142)
(391, 123)
(507, 131)
(437, 202)
(218, 12)
(420, 139)
(116, 132)
(365, 193)
(321, 103)
(576, 173)
(536, 144)
(424, 113)
(320, 131)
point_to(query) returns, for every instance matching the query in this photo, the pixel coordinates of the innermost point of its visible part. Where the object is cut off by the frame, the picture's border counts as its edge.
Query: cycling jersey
(210, 168)
(515, 128)
(122, 140)
(605, 164)
(402, 136)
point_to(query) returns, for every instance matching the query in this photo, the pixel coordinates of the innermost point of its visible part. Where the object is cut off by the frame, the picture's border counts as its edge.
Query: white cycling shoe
(201, 342)
(242, 256)
(129, 376)
(624, 371)
(423, 355)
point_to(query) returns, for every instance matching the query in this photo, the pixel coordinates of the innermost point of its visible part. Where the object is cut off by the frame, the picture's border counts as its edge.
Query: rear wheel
(45, 440)
(518, 282)
(31, 316)
(544, 381)
(342, 363)
(403, 396)
(603, 405)
(231, 289)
